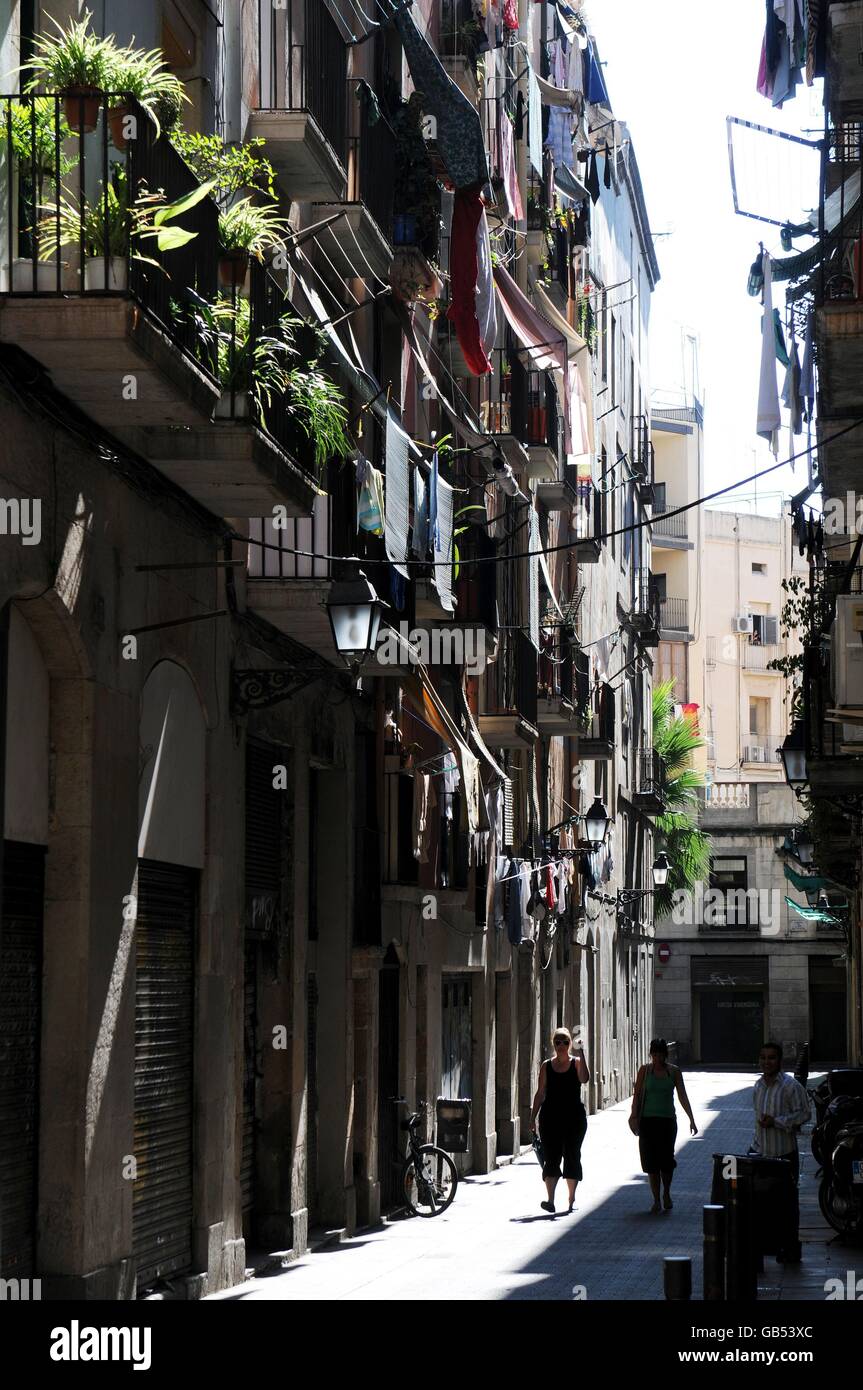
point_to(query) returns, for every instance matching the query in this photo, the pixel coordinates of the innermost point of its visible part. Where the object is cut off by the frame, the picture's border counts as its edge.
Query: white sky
(675, 70)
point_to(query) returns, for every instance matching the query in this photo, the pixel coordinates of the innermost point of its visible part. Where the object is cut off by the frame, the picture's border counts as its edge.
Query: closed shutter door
(164, 994)
(20, 998)
(457, 1040)
(312, 1130)
(250, 1075)
(390, 1147)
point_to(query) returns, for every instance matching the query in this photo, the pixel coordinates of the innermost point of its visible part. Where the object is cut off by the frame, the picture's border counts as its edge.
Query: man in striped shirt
(781, 1108)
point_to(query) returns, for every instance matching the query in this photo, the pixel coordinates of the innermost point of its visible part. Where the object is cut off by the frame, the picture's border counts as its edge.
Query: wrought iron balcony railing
(371, 160)
(650, 789)
(302, 65)
(512, 687)
(672, 526)
(674, 614)
(81, 178)
(760, 748)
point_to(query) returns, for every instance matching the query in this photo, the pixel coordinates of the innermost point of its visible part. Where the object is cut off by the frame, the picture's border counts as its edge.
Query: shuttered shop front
(164, 1000)
(20, 996)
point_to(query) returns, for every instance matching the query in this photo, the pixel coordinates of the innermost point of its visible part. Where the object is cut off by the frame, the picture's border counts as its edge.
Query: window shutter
(508, 819)
(771, 631)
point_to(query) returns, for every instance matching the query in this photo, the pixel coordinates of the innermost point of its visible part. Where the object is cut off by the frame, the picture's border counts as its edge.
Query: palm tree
(675, 739)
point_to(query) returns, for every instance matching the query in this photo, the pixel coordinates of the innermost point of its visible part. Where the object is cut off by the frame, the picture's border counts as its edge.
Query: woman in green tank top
(654, 1119)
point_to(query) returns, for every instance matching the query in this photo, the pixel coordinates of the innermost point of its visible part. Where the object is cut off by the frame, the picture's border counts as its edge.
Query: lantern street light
(804, 846)
(596, 823)
(793, 755)
(661, 867)
(354, 611)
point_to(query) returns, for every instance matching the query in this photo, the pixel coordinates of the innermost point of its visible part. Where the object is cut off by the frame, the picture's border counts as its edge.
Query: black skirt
(656, 1139)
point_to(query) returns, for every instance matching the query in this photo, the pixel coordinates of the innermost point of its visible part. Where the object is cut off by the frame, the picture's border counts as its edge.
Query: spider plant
(111, 224)
(37, 130)
(146, 77)
(74, 59)
(251, 228)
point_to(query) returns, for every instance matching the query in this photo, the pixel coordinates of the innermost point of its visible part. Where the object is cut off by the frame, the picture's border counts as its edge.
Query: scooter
(841, 1084)
(840, 1195)
(840, 1113)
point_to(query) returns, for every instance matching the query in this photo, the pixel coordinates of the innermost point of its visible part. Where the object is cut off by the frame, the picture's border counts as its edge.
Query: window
(758, 567)
(759, 717)
(661, 586)
(765, 630)
(728, 903)
(671, 665)
(660, 504)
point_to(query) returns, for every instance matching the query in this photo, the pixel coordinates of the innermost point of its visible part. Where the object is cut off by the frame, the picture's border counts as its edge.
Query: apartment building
(251, 896)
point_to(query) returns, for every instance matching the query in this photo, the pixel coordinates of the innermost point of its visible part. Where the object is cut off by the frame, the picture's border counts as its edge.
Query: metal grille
(389, 1153)
(164, 995)
(250, 1076)
(20, 1001)
(302, 65)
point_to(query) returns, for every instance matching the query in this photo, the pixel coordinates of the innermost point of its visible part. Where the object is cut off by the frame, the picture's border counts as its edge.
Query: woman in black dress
(562, 1120)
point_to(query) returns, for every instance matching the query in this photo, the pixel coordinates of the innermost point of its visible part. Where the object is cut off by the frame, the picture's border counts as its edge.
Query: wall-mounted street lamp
(355, 612)
(800, 845)
(596, 823)
(793, 755)
(627, 897)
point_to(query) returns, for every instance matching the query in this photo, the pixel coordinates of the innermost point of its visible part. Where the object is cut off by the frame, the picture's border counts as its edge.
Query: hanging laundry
(510, 15)
(370, 505)
(469, 230)
(486, 306)
(791, 393)
(420, 534)
(424, 802)
(508, 169)
(593, 187)
(397, 448)
(398, 589)
(534, 121)
(566, 183)
(594, 82)
(606, 177)
(781, 349)
(460, 139)
(519, 116)
(807, 373)
(769, 414)
(443, 545)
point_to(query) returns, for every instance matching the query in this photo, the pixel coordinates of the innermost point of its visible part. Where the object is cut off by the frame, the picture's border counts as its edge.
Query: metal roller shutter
(20, 1011)
(164, 996)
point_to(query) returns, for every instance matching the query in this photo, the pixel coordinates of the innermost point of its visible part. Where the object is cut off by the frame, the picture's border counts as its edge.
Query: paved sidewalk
(495, 1243)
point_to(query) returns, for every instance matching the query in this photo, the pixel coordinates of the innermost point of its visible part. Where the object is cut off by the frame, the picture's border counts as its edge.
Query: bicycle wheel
(430, 1185)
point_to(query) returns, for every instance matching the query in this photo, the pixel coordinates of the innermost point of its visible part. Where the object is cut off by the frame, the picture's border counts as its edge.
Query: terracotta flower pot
(82, 109)
(116, 120)
(233, 268)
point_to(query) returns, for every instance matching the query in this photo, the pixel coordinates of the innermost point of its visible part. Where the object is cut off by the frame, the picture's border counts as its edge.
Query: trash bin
(770, 1199)
(453, 1125)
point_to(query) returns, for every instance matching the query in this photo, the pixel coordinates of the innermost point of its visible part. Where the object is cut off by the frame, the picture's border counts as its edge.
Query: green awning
(814, 914)
(806, 883)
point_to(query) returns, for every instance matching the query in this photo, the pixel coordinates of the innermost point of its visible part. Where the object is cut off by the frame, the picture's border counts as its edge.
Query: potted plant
(37, 129)
(247, 229)
(77, 63)
(144, 76)
(110, 228)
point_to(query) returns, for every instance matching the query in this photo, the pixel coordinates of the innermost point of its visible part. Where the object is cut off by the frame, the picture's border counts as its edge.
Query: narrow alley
(495, 1243)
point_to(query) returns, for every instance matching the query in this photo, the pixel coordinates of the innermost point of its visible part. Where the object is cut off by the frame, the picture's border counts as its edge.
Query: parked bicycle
(429, 1177)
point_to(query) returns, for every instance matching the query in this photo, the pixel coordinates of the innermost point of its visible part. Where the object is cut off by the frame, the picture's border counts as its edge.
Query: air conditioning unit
(847, 652)
(743, 625)
(754, 753)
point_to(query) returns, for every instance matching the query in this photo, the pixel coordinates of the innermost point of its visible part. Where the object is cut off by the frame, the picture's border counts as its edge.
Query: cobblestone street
(494, 1242)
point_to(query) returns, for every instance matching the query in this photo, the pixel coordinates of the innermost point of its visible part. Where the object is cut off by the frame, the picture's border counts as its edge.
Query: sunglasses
(561, 1042)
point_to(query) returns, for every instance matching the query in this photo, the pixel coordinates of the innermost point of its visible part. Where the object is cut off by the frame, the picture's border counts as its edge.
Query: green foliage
(37, 129)
(256, 228)
(676, 829)
(110, 224)
(146, 77)
(233, 168)
(271, 365)
(73, 57)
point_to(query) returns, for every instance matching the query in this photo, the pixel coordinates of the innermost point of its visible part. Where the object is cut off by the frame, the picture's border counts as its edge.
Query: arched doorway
(170, 858)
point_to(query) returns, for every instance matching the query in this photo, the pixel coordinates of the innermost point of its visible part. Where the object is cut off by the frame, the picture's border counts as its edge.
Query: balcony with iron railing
(643, 457)
(362, 231)
(556, 690)
(503, 407)
(586, 517)
(644, 618)
(671, 528)
(444, 854)
(649, 794)
(460, 37)
(509, 716)
(300, 97)
(758, 658)
(844, 85)
(596, 725)
(838, 286)
(674, 617)
(760, 749)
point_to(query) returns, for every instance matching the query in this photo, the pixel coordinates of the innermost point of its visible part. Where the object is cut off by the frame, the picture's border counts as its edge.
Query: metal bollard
(714, 1254)
(742, 1256)
(677, 1277)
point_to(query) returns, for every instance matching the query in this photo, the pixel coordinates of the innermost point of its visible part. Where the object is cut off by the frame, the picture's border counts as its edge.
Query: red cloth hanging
(464, 269)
